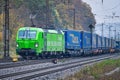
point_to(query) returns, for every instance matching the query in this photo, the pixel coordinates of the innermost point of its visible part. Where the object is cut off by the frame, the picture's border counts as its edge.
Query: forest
(60, 14)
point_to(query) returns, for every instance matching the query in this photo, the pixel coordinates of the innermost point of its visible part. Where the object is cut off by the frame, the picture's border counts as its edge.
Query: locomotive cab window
(27, 34)
(32, 34)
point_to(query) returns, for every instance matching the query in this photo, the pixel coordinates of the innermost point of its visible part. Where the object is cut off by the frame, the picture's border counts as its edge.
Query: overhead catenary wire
(117, 6)
(103, 9)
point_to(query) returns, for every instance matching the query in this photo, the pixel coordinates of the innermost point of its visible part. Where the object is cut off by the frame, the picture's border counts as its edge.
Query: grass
(97, 71)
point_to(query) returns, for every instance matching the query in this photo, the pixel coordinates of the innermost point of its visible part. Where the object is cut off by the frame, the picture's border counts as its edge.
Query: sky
(104, 12)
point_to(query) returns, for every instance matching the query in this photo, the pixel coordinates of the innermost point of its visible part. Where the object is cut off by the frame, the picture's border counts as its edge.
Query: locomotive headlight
(36, 45)
(17, 45)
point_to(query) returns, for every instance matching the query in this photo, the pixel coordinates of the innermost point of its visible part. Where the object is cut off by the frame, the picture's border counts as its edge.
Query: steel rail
(31, 62)
(26, 75)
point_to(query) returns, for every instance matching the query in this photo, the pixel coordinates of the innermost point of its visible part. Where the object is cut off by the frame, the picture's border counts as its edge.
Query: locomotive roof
(53, 31)
(31, 28)
(42, 30)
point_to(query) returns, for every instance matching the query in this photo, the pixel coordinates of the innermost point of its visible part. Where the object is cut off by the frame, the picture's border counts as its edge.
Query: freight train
(34, 42)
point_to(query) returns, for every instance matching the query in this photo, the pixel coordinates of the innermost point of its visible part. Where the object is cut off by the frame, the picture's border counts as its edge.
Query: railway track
(22, 63)
(34, 62)
(29, 74)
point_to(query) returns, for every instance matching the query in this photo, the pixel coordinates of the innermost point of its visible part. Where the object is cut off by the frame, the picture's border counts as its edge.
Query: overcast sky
(102, 11)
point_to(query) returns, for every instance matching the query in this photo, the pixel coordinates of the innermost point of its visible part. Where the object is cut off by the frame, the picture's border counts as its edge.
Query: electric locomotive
(37, 42)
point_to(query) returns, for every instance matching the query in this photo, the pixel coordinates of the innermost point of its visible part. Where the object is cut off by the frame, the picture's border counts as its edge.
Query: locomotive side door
(45, 41)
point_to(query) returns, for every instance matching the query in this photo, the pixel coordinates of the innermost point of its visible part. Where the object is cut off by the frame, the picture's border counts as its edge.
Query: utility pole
(110, 36)
(110, 30)
(47, 13)
(115, 34)
(102, 34)
(102, 29)
(74, 14)
(68, 3)
(118, 36)
(74, 20)
(6, 30)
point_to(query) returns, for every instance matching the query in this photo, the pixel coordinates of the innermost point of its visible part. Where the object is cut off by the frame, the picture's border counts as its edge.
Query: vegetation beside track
(98, 71)
(12, 51)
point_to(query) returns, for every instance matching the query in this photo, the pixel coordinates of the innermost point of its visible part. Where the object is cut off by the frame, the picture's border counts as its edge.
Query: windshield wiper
(23, 37)
(29, 34)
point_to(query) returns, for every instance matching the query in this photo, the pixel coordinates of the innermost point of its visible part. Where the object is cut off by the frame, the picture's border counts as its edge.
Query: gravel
(53, 76)
(23, 68)
(36, 66)
(61, 74)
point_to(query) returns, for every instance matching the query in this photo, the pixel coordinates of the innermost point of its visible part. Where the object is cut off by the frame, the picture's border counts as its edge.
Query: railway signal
(91, 30)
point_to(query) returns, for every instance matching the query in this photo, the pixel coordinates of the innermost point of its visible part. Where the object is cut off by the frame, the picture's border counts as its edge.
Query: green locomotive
(37, 42)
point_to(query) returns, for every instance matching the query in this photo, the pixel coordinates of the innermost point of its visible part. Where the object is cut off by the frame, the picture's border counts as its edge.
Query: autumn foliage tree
(60, 14)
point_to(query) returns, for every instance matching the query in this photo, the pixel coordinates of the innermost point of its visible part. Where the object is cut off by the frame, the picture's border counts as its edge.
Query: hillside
(57, 13)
